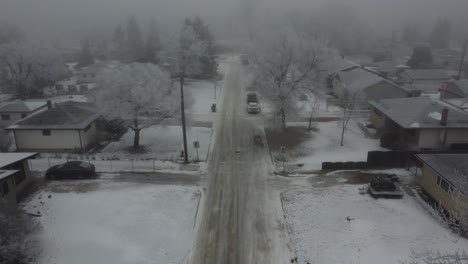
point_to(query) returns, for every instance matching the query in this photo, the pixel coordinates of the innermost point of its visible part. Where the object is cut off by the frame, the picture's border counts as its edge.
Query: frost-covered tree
(286, 65)
(153, 44)
(5, 140)
(86, 57)
(208, 62)
(135, 46)
(139, 93)
(119, 42)
(26, 69)
(16, 230)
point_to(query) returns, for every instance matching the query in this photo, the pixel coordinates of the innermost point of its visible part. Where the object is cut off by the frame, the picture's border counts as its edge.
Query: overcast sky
(53, 18)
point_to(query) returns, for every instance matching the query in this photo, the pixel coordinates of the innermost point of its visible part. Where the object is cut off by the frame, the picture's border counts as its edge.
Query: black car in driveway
(72, 170)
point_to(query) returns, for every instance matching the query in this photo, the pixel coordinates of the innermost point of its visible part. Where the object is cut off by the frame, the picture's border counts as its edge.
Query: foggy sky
(55, 18)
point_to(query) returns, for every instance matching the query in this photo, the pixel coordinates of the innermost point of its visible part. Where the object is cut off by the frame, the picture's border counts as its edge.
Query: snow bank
(96, 222)
(324, 145)
(383, 231)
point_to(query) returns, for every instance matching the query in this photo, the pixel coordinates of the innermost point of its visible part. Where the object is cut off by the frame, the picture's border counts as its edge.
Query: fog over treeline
(69, 20)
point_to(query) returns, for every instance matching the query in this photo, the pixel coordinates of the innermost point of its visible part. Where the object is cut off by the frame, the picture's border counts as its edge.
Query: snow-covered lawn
(161, 143)
(324, 145)
(203, 96)
(108, 222)
(383, 231)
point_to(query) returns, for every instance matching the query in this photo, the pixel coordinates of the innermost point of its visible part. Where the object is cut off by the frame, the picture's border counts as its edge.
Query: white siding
(59, 140)
(89, 137)
(429, 138)
(434, 138)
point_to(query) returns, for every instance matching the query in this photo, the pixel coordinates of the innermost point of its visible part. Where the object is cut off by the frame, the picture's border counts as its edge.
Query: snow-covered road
(240, 220)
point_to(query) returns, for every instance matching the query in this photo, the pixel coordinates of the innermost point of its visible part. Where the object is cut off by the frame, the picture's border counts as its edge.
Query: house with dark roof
(455, 89)
(425, 80)
(445, 179)
(64, 127)
(368, 85)
(15, 176)
(419, 123)
(89, 73)
(13, 111)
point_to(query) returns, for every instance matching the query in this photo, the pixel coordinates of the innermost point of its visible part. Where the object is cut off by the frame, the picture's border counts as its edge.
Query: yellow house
(445, 179)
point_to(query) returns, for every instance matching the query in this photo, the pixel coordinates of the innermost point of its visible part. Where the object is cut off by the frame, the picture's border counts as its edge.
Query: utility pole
(462, 62)
(182, 108)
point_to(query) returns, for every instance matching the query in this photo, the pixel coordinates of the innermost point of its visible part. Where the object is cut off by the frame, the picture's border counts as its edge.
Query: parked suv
(253, 106)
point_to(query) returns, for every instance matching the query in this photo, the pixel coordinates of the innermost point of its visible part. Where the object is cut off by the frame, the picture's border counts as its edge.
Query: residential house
(337, 65)
(455, 89)
(89, 73)
(65, 127)
(419, 123)
(11, 112)
(425, 80)
(368, 85)
(445, 179)
(15, 175)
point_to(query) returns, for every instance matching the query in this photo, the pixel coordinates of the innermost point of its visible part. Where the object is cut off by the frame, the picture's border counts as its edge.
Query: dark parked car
(72, 170)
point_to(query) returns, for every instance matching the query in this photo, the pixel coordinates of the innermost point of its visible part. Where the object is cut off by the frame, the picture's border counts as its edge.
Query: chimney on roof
(443, 119)
(49, 104)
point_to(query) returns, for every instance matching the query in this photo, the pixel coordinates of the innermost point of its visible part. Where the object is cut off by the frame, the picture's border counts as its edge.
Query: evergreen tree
(153, 44)
(209, 64)
(421, 58)
(411, 33)
(86, 57)
(440, 38)
(135, 45)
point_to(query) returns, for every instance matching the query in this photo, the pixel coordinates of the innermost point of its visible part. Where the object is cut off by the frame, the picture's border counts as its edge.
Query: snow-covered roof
(423, 111)
(65, 115)
(338, 64)
(461, 103)
(22, 106)
(427, 74)
(7, 173)
(358, 79)
(10, 158)
(452, 167)
(462, 85)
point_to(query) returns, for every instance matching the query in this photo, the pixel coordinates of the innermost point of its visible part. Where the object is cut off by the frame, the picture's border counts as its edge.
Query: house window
(4, 189)
(444, 185)
(6, 117)
(24, 115)
(46, 132)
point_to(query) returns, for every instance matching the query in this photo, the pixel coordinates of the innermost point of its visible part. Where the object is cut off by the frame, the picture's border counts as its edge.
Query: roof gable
(358, 79)
(19, 106)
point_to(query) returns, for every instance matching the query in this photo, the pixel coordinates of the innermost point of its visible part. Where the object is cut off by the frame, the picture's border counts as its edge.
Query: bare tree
(349, 102)
(26, 69)
(431, 257)
(16, 230)
(140, 93)
(286, 65)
